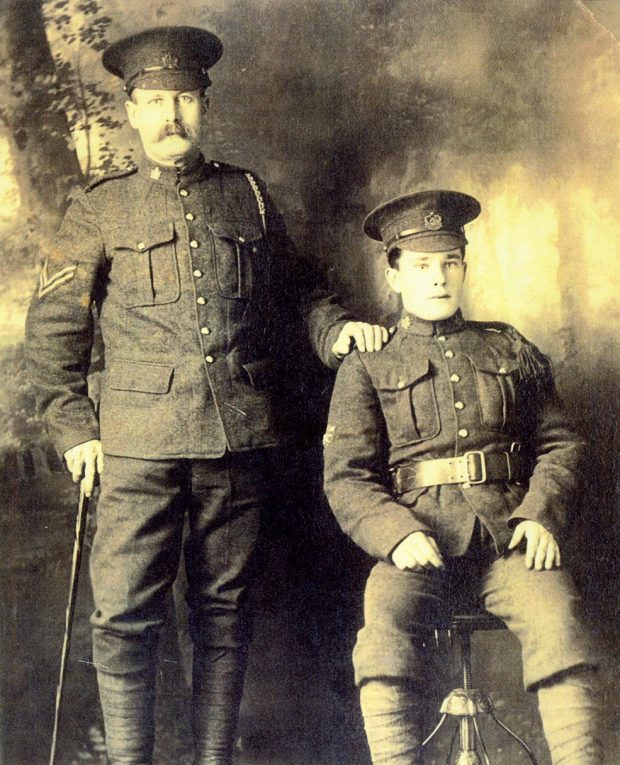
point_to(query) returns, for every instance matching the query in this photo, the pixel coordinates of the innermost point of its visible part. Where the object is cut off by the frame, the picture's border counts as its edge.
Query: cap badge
(169, 61)
(433, 221)
(156, 173)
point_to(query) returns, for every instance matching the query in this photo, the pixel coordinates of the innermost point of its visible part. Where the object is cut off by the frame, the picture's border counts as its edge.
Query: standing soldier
(449, 459)
(195, 283)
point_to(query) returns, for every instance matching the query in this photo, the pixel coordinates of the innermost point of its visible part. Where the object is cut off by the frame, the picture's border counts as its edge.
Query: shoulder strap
(112, 175)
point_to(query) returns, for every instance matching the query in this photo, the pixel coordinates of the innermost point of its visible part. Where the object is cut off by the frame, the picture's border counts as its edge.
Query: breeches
(137, 549)
(402, 608)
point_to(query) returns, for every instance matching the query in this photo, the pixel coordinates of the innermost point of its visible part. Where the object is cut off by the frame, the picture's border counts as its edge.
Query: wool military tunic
(438, 390)
(195, 281)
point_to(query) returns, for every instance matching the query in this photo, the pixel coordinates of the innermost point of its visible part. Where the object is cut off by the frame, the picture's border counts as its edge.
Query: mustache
(178, 128)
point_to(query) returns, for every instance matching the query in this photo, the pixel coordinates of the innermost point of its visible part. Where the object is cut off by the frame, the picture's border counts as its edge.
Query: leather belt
(471, 468)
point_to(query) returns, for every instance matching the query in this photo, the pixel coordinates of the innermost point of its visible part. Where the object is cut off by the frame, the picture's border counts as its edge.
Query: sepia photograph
(310, 382)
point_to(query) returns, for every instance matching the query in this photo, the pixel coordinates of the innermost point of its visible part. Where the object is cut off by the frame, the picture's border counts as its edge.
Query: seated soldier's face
(169, 123)
(429, 283)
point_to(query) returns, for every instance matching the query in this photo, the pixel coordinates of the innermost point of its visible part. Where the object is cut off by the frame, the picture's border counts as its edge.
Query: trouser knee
(120, 654)
(411, 658)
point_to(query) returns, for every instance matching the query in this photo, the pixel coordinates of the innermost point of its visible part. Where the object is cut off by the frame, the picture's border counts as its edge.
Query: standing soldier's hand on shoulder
(361, 335)
(85, 462)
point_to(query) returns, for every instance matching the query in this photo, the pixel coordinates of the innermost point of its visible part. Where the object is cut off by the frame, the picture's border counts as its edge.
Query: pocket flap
(491, 364)
(140, 376)
(261, 373)
(145, 238)
(404, 376)
(237, 230)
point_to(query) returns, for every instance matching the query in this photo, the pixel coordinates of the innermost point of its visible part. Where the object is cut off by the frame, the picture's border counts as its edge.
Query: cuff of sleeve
(331, 336)
(539, 515)
(382, 538)
(70, 438)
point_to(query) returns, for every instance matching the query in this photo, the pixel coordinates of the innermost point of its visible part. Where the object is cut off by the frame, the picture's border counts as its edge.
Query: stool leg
(485, 753)
(467, 754)
(510, 732)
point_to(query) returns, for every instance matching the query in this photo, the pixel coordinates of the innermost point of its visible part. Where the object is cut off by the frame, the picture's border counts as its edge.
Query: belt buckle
(470, 457)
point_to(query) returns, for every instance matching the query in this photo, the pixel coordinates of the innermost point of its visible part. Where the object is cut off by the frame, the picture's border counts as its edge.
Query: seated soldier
(449, 459)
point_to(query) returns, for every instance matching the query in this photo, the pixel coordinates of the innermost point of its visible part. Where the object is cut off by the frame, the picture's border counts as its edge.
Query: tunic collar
(414, 325)
(198, 170)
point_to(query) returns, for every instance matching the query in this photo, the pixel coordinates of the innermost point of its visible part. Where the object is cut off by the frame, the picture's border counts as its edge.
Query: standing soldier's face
(169, 123)
(430, 283)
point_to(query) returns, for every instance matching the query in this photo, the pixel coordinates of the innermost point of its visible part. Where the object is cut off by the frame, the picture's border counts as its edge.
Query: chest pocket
(144, 267)
(496, 382)
(237, 249)
(409, 402)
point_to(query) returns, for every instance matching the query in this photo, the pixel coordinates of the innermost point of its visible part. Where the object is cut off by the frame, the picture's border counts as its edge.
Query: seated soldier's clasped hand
(358, 334)
(416, 552)
(85, 462)
(541, 551)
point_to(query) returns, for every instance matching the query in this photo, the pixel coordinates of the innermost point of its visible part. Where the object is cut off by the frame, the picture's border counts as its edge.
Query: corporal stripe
(48, 284)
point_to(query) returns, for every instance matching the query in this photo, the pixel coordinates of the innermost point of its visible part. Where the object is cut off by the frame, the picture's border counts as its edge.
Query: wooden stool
(468, 703)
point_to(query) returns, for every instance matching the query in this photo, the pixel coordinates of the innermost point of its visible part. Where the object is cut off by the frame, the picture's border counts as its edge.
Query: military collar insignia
(433, 221)
(172, 176)
(416, 326)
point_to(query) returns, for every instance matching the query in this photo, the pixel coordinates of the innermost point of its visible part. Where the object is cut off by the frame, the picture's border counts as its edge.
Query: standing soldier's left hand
(358, 334)
(542, 549)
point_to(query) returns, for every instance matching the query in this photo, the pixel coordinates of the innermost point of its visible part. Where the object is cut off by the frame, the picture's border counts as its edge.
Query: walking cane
(80, 528)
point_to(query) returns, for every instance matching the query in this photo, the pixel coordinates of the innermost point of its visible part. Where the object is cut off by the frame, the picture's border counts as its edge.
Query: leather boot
(393, 718)
(128, 705)
(217, 688)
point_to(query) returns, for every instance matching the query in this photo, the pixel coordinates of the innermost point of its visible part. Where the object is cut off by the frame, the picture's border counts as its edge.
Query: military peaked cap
(164, 58)
(429, 221)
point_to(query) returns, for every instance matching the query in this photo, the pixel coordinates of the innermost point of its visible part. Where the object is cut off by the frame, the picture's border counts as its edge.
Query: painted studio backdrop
(338, 105)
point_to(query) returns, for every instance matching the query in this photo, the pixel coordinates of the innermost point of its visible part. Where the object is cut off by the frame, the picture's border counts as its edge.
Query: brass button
(442, 338)
(455, 378)
(459, 405)
(184, 192)
(205, 330)
(241, 239)
(209, 359)
(201, 300)
(141, 246)
(400, 384)
(502, 370)
(216, 164)
(254, 249)
(463, 432)
(194, 244)
(197, 273)
(449, 354)
(189, 216)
